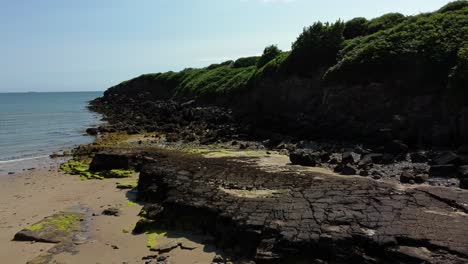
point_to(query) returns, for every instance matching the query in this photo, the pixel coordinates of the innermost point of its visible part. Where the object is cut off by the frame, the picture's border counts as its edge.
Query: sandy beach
(29, 197)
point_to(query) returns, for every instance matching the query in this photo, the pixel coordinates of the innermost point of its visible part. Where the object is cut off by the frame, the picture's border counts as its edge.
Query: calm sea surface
(34, 125)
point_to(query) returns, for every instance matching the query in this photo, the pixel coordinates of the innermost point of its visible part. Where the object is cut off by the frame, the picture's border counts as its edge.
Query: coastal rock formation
(291, 216)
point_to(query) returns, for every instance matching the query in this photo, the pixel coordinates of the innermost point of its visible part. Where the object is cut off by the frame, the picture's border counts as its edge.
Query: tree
(355, 27)
(269, 53)
(452, 6)
(318, 45)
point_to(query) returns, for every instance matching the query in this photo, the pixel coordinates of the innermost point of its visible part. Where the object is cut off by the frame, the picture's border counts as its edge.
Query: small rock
(114, 247)
(112, 211)
(11, 173)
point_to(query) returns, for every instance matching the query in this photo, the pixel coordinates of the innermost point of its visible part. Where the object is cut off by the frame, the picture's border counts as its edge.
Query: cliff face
(402, 80)
(305, 108)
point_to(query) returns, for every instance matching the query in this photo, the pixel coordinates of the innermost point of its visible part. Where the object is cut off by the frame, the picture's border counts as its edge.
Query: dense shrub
(317, 46)
(384, 22)
(246, 62)
(420, 49)
(456, 5)
(355, 28)
(269, 53)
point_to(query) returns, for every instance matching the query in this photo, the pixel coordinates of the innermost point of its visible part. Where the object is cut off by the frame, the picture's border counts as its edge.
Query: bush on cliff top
(417, 50)
(422, 49)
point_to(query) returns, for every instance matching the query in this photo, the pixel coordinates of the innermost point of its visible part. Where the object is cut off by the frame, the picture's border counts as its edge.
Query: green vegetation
(64, 222)
(75, 167)
(417, 51)
(316, 46)
(153, 236)
(422, 49)
(355, 27)
(269, 53)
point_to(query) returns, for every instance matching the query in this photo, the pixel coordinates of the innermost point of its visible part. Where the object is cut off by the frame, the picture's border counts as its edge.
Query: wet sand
(29, 197)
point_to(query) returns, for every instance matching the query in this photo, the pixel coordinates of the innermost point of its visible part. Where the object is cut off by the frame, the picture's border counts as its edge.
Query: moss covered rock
(57, 228)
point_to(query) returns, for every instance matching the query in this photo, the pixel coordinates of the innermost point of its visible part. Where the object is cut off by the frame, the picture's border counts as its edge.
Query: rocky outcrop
(289, 216)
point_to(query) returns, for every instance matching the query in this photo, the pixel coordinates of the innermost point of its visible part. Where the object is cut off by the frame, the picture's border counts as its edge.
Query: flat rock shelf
(291, 216)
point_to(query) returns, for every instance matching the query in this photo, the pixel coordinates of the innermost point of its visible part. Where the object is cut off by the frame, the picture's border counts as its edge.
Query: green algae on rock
(60, 227)
(75, 167)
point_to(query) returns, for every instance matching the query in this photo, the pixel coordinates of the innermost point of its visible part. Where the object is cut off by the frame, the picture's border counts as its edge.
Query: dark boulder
(92, 131)
(418, 157)
(348, 170)
(349, 157)
(305, 158)
(109, 161)
(446, 171)
(396, 147)
(387, 158)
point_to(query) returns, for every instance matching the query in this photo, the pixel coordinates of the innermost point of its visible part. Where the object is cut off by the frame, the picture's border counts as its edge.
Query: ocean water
(35, 125)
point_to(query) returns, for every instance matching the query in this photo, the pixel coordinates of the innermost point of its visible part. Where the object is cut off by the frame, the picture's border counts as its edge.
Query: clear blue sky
(89, 45)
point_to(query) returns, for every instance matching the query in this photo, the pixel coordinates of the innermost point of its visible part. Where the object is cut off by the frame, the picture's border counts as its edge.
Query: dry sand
(33, 195)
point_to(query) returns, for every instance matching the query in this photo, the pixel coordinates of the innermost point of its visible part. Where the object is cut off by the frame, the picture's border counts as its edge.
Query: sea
(35, 125)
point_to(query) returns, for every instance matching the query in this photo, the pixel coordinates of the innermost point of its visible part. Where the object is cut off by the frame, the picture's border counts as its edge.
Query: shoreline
(30, 196)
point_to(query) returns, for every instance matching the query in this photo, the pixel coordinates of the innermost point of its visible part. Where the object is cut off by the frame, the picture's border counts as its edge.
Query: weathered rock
(108, 160)
(348, 170)
(307, 216)
(445, 171)
(407, 177)
(418, 157)
(447, 158)
(463, 172)
(304, 158)
(112, 211)
(349, 157)
(151, 211)
(166, 247)
(92, 131)
(61, 227)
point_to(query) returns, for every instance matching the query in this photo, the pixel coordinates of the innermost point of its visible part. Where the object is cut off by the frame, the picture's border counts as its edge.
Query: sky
(90, 45)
